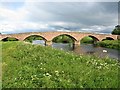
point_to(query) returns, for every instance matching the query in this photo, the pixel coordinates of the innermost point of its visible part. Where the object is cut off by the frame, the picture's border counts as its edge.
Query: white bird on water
(104, 50)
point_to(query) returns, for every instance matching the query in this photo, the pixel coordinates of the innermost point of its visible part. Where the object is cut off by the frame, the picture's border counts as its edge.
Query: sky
(41, 16)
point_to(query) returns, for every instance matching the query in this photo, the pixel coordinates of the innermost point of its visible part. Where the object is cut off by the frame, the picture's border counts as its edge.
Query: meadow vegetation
(33, 66)
(113, 44)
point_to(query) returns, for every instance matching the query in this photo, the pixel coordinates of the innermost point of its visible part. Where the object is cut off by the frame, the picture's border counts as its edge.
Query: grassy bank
(30, 66)
(113, 44)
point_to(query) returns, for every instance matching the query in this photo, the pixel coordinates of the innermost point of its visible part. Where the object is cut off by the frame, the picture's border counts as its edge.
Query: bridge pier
(48, 43)
(76, 44)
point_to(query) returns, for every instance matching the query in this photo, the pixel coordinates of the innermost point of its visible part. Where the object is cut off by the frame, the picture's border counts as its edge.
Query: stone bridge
(49, 36)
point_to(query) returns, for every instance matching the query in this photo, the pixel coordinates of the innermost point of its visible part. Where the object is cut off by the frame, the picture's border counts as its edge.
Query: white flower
(56, 71)
(47, 74)
(38, 65)
(35, 75)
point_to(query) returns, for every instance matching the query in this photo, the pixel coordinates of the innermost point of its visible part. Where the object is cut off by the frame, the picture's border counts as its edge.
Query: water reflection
(41, 42)
(83, 49)
(63, 46)
(99, 51)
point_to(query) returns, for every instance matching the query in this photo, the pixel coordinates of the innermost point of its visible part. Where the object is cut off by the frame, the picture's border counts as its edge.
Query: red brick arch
(111, 38)
(72, 37)
(35, 35)
(9, 37)
(92, 36)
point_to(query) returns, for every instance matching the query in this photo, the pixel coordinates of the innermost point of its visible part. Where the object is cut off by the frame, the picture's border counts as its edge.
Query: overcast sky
(26, 16)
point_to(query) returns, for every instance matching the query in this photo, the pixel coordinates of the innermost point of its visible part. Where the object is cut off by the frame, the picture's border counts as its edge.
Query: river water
(86, 49)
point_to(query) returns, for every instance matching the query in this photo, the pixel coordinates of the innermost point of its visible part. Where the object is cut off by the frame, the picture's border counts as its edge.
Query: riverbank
(33, 66)
(113, 44)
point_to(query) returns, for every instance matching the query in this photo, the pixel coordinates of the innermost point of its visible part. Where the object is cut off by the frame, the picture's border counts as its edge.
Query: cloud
(22, 27)
(58, 16)
(9, 15)
(85, 13)
(61, 0)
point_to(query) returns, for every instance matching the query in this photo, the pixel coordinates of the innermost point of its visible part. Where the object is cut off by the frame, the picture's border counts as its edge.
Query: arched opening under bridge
(64, 41)
(36, 39)
(9, 39)
(89, 40)
(108, 38)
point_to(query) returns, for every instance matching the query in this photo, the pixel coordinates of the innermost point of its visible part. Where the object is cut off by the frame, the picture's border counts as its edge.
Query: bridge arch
(93, 39)
(108, 38)
(33, 36)
(65, 38)
(72, 37)
(9, 38)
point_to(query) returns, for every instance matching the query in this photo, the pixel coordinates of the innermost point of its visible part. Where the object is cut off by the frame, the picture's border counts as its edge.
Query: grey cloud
(86, 13)
(77, 15)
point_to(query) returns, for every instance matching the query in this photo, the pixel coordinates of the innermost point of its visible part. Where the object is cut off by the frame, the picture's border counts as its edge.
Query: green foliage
(63, 39)
(33, 37)
(9, 39)
(116, 31)
(33, 66)
(114, 44)
(87, 40)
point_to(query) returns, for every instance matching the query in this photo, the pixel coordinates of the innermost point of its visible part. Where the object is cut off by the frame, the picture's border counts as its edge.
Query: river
(86, 49)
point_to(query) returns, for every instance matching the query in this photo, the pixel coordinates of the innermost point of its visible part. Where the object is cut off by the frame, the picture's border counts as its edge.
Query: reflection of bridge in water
(49, 36)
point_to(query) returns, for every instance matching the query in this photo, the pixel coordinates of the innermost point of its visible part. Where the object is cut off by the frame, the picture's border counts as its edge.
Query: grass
(32, 66)
(114, 44)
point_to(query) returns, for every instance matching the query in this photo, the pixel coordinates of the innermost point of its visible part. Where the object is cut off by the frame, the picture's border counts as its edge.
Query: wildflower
(38, 65)
(101, 64)
(15, 78)
(56, 71)
(47, 74)
(60, 80)
(44, 75)
(35, 75)
(32, 77)
(105, 63)
(99, 67)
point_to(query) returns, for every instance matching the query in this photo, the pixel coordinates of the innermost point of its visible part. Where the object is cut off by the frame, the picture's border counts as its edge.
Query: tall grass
(114, 44)
(33, 66)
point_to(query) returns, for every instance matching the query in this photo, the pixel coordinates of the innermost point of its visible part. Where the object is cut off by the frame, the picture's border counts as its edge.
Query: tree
(116, 31)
